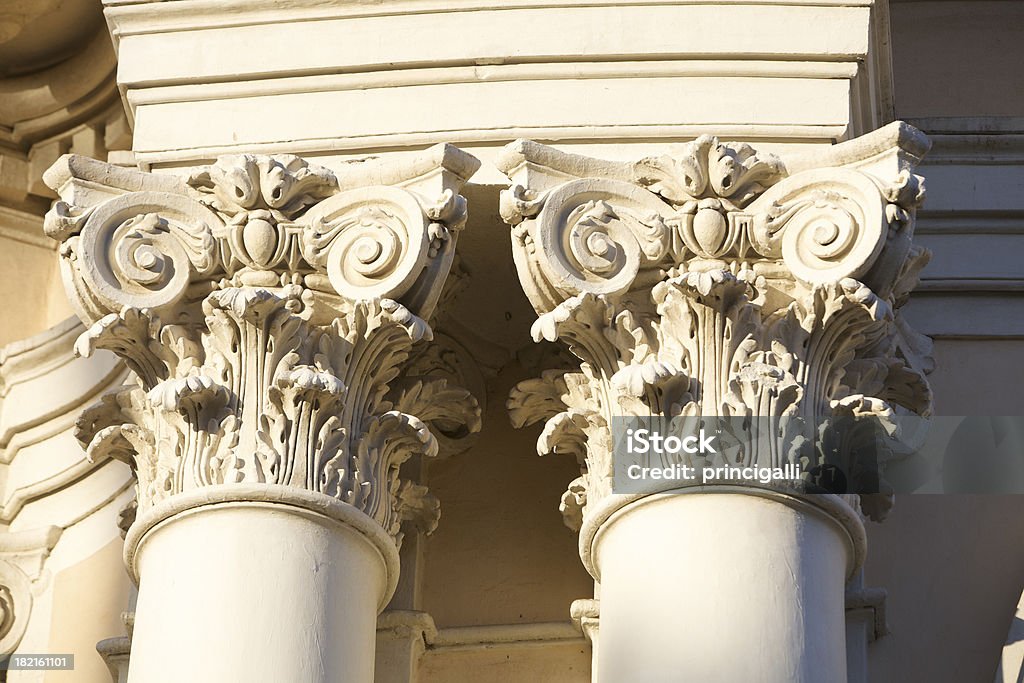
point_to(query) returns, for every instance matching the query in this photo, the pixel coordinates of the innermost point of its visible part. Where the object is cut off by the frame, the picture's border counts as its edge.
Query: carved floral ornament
(719, 281)
(268, 308)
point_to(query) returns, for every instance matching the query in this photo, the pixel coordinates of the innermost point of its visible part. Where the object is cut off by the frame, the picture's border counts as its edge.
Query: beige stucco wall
(35, 297)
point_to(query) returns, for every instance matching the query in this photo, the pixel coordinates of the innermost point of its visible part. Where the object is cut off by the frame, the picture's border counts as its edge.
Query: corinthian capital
(267, 307)
(717, 280)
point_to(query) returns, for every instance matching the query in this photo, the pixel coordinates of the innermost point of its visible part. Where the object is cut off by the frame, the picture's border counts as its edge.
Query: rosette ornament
(265, 305)
(721, 281)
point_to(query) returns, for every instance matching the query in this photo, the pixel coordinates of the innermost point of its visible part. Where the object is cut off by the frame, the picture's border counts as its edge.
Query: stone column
(715, 281)
(268, 308)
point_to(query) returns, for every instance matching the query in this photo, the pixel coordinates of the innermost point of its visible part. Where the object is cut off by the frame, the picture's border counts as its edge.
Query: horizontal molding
(139, 17)
(963, 125)
(480, 108)
(26, 359)
(369, 144)
(505, 634)
(1004, 149)
(41, 241)
(163, 44)
(971, 285)
(967, 315)
(24, 227)
(17, 498)
(973, 140)
(46, 365)
(572, 70)
(977, 222)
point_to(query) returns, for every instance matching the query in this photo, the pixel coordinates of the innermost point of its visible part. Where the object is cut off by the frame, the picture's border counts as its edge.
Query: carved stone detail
(720, 282)
(268, 308)
(23, 556)
(15, 606)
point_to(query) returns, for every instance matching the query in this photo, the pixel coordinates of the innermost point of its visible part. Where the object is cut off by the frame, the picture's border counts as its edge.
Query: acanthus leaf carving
(267, 328)
(771, 298)
(706, 167)
(284, 184)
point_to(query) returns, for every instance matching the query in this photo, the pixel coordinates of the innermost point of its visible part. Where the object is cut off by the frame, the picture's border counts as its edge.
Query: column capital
(719, 280)
(269, 309)
(375, 229)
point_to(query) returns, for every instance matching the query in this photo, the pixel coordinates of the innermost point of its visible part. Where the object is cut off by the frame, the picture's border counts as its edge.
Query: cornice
(843, 76)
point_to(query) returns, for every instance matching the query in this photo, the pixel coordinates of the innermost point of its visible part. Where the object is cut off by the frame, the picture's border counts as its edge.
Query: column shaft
(722, 587)
(302, 586)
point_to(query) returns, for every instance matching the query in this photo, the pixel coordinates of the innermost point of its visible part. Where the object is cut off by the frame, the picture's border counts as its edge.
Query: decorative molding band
(591, 134)
(974, 140)
(719, 281)
(981, 222)
(491, 73)
(141, 17)
(271, 311)
(46, 364)
(32, 429)
(38, 355)
(993, 284)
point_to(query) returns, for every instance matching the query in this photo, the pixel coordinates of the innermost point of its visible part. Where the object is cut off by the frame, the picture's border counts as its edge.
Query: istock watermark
(646, 441)
(37, 662)
(846, 454)
(641, 441)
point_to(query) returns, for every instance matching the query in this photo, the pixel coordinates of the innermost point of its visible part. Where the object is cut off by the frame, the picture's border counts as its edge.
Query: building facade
(296, 293)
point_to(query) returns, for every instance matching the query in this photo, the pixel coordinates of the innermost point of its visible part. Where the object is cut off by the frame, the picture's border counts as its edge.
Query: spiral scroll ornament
(826, 225)
(373, 243)
(821, 233)
(595, 237)
(141, 250)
